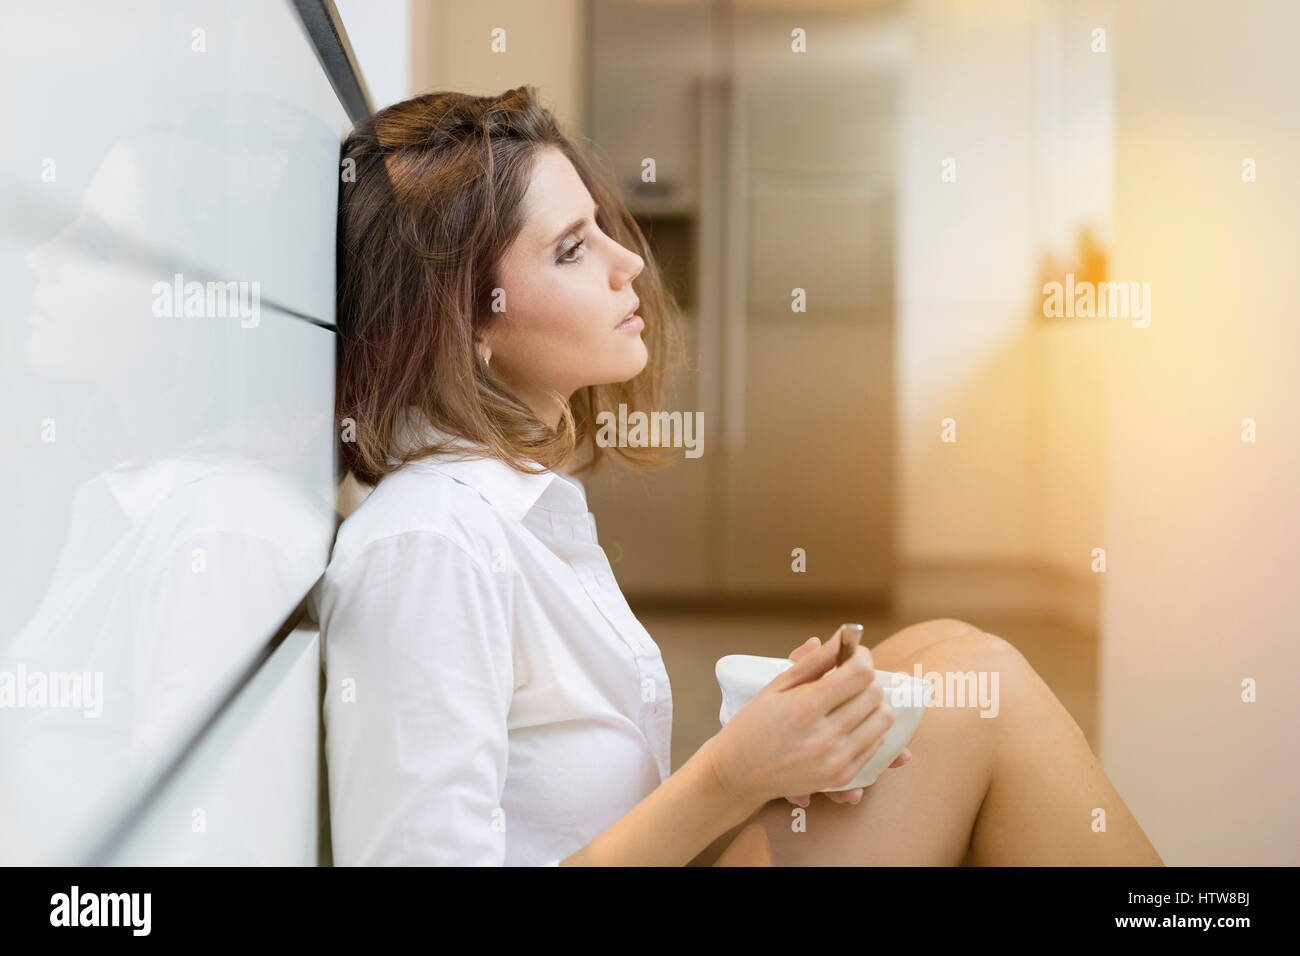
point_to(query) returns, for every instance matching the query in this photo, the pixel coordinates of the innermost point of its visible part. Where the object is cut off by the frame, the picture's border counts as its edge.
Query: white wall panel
(249, 794)
(201, 134)
(167, 246)
(171, 567)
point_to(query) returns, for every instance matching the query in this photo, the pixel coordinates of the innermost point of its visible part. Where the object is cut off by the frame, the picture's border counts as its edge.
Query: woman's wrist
(730, 792)
(676, 822)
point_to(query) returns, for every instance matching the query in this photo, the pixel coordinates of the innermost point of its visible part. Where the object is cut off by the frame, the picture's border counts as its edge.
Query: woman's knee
(982, 647)
(972, 664)
(992, 671)
(979, 652)
(916, 637)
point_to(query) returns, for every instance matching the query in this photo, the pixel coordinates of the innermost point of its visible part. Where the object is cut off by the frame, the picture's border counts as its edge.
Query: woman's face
(567, 288)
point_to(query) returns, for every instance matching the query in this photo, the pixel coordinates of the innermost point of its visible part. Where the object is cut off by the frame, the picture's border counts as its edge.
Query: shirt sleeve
(419, 677)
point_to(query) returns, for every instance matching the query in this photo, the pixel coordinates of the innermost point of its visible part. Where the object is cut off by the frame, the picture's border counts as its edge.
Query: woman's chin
(626, 366)
(639, 364)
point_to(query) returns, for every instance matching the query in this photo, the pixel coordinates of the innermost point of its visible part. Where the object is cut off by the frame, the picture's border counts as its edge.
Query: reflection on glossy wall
(167, 251)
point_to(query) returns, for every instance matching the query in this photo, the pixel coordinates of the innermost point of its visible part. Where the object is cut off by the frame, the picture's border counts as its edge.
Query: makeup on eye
(573, 248)
(579, 223)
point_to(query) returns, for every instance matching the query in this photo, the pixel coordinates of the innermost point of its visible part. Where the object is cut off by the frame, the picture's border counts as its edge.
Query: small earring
(486, 360)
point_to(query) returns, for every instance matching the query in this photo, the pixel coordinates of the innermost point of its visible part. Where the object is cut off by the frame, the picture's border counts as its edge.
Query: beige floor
(1066, 659)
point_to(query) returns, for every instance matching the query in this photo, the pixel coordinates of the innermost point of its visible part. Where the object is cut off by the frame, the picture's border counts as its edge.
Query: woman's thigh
(922, 813)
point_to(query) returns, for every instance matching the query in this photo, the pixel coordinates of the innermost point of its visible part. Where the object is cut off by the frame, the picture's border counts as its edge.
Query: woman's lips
(631, 313)
(633, 323)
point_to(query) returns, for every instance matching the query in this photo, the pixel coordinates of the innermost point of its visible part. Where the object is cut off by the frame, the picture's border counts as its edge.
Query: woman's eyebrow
(574, 225)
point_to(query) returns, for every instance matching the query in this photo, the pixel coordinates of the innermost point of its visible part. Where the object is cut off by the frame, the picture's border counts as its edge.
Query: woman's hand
(812, 727)
(836, 796)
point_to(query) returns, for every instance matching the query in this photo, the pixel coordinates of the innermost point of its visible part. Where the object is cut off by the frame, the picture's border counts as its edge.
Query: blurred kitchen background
(909, 428)
(921, 171)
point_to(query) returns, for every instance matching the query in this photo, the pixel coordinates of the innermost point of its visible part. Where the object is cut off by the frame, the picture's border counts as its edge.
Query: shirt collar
(510, 492)
(140, 491)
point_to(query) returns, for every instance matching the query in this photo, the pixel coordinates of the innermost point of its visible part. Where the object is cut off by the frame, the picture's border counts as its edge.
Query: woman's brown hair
(430, 200)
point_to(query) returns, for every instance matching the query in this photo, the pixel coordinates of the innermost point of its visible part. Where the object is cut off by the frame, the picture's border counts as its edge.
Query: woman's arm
(674, 824)
(417, 649)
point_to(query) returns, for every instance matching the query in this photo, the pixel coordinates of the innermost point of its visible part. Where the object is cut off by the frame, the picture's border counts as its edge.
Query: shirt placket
(592, 569)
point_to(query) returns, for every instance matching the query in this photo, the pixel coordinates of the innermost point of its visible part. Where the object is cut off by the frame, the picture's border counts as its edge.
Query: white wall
(544, 46)
(966, 272)
(1202, 528)
(1073, 187)
(166, 483)
(380, 34)
(1006, 518)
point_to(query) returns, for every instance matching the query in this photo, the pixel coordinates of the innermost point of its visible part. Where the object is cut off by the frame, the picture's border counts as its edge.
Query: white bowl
(741, 676)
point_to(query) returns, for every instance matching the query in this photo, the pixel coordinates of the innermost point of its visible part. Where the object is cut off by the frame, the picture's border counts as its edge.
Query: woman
(491, 698)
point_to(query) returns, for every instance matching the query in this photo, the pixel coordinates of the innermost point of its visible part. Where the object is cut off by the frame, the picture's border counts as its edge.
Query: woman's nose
(634, 269)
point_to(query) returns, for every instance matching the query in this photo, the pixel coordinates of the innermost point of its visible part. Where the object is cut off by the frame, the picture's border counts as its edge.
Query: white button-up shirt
(491, 698)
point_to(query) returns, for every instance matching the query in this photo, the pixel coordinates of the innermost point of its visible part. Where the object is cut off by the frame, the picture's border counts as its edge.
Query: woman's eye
(571, 250)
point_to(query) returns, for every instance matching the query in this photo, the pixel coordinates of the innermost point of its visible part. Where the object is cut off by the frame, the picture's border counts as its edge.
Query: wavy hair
(430, 199)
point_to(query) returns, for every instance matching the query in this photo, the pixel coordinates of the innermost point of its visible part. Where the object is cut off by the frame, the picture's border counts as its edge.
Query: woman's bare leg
(1021, 788)
(728, 850)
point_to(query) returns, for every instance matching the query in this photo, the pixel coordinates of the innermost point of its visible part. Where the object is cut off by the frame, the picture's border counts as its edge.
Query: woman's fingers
(854, 795)
(849, 796)
(805, 647)
(869, 736)
(845, 796)
(814, 661)
(835, 796)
